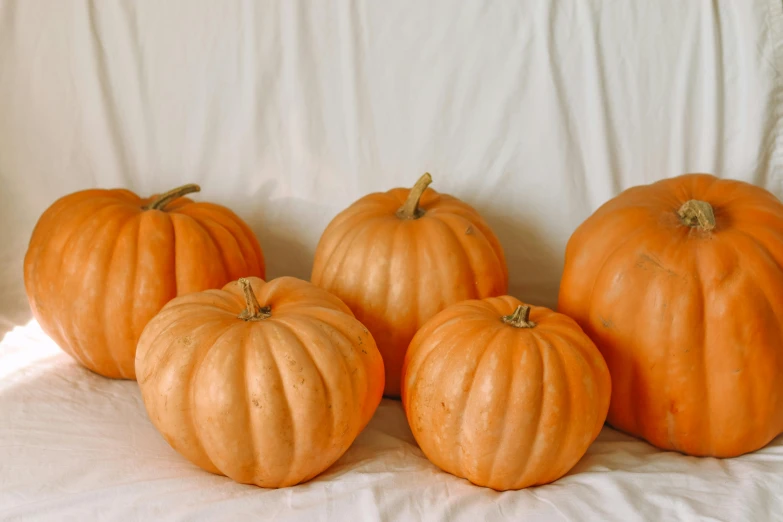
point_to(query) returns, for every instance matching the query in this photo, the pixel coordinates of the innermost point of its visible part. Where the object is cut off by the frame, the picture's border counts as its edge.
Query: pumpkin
(680, 285)
(101, 263)
(267, 383)
(504, 394)
(397, 258)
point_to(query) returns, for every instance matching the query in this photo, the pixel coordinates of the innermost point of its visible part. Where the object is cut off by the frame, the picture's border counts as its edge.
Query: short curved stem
(410, 209)
(520, 318)
(167, 197)
(253, 311)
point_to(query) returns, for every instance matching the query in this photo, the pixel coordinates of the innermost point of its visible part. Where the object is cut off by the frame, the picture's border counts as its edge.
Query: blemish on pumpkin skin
(469, 230)
(607, 323)
(646, 260)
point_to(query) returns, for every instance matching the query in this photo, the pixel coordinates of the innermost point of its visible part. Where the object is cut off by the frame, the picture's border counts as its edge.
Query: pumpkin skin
(685, 302)
(397, 258)
(271, 394)
(503, 400)
(99, 266)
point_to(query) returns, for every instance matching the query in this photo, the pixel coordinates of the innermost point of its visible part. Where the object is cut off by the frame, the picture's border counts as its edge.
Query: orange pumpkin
(101, 263)
(504, 394)
(397, 258)
(680, 285)
(267, 383)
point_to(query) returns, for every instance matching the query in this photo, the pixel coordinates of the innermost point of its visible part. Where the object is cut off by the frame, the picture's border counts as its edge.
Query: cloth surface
(76, 446)
(533, 112)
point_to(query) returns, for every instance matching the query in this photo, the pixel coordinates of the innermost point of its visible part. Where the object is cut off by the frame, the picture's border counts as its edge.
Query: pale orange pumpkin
(397, 258)
(101, 263)
(680, 285)
(504, 394)
(267, 383)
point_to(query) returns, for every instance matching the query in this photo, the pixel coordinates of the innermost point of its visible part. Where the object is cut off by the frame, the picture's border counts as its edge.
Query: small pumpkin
(397, 258)
(267, 383)
(504, 394)
(101, 263)
(680, 285)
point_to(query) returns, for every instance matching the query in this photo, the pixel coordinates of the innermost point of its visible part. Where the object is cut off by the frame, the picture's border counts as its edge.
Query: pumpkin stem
(695, 213)
(254, 310)
(520, 318)
(410, 209)
(167, 197)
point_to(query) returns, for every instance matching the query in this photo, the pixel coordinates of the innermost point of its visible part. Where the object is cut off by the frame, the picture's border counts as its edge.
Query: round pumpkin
(504, 394)
(101, 263)
(680, 285)
(267, 383)
(397, 258)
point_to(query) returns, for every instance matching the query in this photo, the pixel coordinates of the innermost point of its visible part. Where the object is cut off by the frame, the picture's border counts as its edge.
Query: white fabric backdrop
(535, 112)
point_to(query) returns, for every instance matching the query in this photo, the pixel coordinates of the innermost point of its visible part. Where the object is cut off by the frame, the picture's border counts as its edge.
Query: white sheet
(535, 112)
(76, 446)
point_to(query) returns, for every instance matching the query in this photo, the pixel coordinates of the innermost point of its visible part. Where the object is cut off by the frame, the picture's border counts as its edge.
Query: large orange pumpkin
(397, 258)
(504, 394)
(680, 285)
(267, 383)
(101, 263)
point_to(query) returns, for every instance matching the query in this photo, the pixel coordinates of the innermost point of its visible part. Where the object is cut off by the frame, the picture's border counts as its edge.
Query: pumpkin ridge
(187, 224)
(272, 346)
(158, 333)
(36, 250)
(324, 388)
(384, 303)
(105, 311)
(504, 434)
(566, 404)
(219, 246)
(637, 414)
(250, 333)
(444, 348)
(344, 360)
(458, 450)
(604, 262)
(481, 227)
(326, 277)
(147, 220)
(239, 231)
(192, 388)
(412, 368)
(474, 220)
(432, 244)
(466, 327)
(591, 362)
(135, 242)
(64, 253)
(90, 237)
(702, 337)
(414, 269)
(143, 354)
(532, 449)
(769, 302)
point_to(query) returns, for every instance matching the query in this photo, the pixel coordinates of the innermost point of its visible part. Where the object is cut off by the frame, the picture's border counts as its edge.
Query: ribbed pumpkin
(504, 394)
(680, 285)
(267, 383)
(397, 258)
(101, 263)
